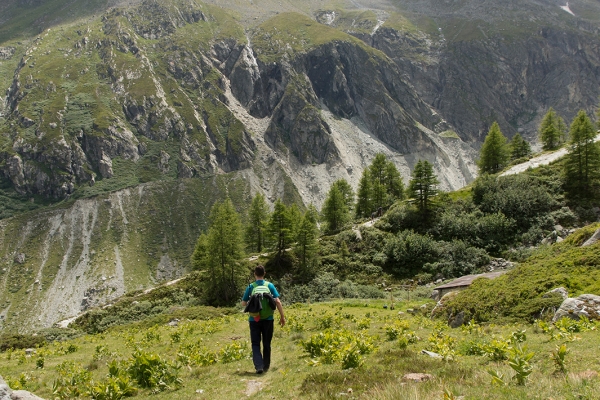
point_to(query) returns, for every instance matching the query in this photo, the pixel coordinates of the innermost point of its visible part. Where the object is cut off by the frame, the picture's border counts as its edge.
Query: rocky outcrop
(6, 393)
(586, 305)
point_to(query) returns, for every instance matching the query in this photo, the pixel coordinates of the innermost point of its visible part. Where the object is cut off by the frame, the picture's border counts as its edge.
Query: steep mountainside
(131, 113)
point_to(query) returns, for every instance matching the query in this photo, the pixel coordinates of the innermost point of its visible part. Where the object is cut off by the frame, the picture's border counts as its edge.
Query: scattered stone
(417, 377)
(410, 310)
(29, 351)
(431, 354)
(20, 258)
(595, 237)
(174, 322)
(560, 290)
(586, 305)
(23, 395)
(4, 390)
(400, 312)
(52, 125)
(458, 320)
(6, 53)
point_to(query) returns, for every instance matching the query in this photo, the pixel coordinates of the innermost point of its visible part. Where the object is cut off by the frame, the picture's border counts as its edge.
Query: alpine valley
(123, 121)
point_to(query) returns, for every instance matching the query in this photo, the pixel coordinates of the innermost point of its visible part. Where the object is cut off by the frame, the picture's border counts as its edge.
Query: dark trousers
(261, 329)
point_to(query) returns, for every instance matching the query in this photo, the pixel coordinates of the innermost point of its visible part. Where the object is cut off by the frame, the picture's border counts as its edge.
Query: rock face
(586, 305)
(203, 105)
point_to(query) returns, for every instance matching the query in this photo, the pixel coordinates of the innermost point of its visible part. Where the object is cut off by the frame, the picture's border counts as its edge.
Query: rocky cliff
(123, 124)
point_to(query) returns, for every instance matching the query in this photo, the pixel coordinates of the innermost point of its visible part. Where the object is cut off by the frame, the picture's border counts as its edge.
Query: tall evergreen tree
(393, 183)
(423, 186)
(280, 227)
(519, 147)
(218, 254)
(347, 192)
(550, 134)
(306, 240)
(258, 218)
(493, 156)
(364, 205)
(582, 164)
(379, 186)
(378, 175)
(335, 212)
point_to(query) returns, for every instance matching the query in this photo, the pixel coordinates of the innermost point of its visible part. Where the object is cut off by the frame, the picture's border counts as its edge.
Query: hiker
(261, 323)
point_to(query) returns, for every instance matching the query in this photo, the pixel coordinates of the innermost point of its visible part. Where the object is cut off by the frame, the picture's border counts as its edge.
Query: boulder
(4, 390)
(586, 305)
(595, 237)
(417, 377)
(438, 310)
(457, 320)
(23, 395)
(560, 291)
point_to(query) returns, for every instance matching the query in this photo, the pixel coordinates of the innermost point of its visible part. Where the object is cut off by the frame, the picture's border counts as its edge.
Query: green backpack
(266, 311)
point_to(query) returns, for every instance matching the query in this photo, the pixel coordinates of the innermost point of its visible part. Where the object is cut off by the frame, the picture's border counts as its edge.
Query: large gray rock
(4, 390)
(560, 291)
(23, 395)
(586, 305)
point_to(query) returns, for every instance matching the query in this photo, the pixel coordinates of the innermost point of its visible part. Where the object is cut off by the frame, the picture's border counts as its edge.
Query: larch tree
(335, 211)
(364, 205)
(218, 254)
(423, 186)
(306, 240)
(258, 218)
(379, 186)
(582, 163)
(519, 147)
(549, 132)
(494, 155)
(280, 227)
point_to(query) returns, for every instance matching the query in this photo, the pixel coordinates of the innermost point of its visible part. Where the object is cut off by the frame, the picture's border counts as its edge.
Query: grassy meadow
(341, 348)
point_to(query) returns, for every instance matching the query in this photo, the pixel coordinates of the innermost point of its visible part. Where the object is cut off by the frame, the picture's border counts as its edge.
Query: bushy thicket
(327, 286)
(460, 236)
(136, 306)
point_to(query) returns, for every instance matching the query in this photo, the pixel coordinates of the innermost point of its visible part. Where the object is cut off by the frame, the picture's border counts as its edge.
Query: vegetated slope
(178, 88)
(66, 259)
(517, 295)
(353, 347)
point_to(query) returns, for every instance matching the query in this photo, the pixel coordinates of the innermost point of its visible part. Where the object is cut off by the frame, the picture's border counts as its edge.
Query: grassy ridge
(518, 294)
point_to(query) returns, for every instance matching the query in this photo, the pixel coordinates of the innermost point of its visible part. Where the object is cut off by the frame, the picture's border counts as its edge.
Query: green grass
(517, 295)
(294, 374)
(289, 33)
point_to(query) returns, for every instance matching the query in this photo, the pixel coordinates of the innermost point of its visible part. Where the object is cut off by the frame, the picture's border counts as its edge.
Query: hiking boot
(259, 371)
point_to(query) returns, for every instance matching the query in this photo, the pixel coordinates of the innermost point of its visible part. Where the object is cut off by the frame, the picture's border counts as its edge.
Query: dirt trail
(544, 159)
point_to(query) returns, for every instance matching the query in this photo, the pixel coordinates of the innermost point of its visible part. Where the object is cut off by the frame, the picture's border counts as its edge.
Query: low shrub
(16, 341)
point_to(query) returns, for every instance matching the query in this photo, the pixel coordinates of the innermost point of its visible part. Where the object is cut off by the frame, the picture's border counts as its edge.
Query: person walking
(261, 325)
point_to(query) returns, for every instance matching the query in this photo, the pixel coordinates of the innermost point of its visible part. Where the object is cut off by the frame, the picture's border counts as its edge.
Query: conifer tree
(519, 147)
(582, 163)
(258, 218)
(280, 227)
(335, 212)
(364, 205)
(493, 156)
(218, 254)
(379, 186)
(550, 132)
(306, 239)
(423, 186)
(347, 192)
(393, 183)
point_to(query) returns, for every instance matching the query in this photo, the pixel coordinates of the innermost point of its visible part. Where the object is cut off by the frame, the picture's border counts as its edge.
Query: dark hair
(259, 271)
